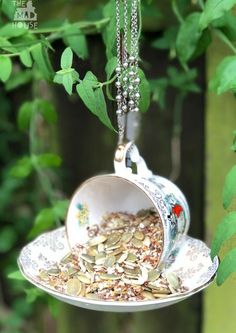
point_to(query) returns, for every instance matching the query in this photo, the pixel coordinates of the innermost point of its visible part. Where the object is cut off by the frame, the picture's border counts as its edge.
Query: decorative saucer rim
(58, 294)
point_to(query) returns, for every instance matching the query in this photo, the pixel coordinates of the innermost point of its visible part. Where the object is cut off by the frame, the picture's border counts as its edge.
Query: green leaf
(44, 221)
(5, 68)
(60, 208)
(47, 110)
(225, 230)
(203, 43)
(227, 267)
(109, 32)
(233, 147)
(41, 58)
(76, 41)
(229, 190)
(213, 10)
(25, 58)
(16, 276)
(67, 81)
(48, 216)
(167, 41)
(9, 31)
(224, 78)
(145, 92)
(7, 239)
(93, 98)
(67, 58)
(9, 8)
(24, 115)
(32, 294)
(58, 78)
(27, 109)
(158, 89)
(18, 79)
(47, 160)
(110, 67)
(188, 37)
(183, 81)
(6, 45)
(227, 24)
(22, 168)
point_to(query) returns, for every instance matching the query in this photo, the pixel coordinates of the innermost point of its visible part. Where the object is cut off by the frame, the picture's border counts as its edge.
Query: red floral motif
(177, 209)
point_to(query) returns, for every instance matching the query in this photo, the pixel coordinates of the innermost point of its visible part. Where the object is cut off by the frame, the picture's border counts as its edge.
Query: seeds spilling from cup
(119, 262)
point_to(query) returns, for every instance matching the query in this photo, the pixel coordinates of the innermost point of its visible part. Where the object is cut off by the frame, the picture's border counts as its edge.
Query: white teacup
(125, 191)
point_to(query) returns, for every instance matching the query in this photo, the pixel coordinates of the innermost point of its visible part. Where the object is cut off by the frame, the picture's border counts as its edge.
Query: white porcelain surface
(192, 264)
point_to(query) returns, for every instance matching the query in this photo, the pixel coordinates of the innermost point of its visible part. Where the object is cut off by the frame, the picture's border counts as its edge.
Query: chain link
(127, 62)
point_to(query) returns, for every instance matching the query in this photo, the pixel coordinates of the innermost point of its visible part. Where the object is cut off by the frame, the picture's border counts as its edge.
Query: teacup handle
(125, 155)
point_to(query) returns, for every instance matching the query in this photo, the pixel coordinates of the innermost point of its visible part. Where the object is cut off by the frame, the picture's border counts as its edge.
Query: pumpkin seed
(122, 257)
(105, 276)
(147, 295)
(94, 297)
(173, 280)
(139, 235)
(73, 287)
(97, 240)
(137, 243)
(153, 275)
(89, 267)
(88, 258)
(110, 261)
(67, 258)
(126, 237)
(100, 258)
(113, 239)
(54, 271)
(132, 257)
(84, 279)
(72, 270)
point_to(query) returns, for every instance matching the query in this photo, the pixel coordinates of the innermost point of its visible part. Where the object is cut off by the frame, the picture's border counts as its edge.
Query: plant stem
(83, 25)
(176, 11)
(225, 39)
(106, 83)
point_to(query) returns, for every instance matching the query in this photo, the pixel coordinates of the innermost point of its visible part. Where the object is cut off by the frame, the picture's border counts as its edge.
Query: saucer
(192, 263)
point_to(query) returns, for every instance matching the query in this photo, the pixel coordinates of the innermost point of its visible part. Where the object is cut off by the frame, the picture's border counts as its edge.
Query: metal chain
(127, 63)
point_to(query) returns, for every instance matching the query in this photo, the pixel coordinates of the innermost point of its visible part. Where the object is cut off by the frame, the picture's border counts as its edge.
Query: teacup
(125, 191)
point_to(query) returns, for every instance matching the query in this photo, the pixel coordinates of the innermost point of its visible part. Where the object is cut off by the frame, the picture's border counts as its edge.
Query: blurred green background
(185, 135)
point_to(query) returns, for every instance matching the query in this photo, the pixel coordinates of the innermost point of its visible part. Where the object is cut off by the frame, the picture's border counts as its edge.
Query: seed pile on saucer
(118, 263)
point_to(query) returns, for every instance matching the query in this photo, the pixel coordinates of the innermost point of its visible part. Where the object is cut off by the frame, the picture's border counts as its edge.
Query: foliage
(26, 60)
